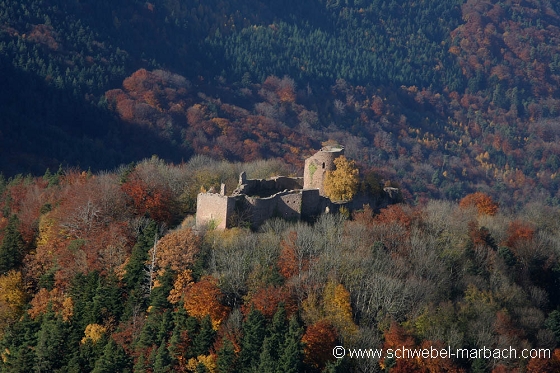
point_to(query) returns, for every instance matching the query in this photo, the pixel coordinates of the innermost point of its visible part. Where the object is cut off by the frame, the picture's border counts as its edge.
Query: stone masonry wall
(284, 204)
(216, 208)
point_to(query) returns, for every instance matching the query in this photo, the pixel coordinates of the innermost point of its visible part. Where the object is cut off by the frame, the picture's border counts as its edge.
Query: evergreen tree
(107, 302)
(291, 357)
(140, 366)
(20, 339)
(162, 363)
(165, 326)
(159, 294)
(50, 350)
(273, 342)
(252, 341)
(226, 361)
(114, 359)
(12, 248)
(204, 339)
(135, 278)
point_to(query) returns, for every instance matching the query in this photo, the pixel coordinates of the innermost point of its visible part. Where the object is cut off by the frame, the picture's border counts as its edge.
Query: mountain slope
(448, 97)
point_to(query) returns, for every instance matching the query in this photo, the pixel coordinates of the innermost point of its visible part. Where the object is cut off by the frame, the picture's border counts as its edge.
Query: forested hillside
(449, 97)
(100, 273)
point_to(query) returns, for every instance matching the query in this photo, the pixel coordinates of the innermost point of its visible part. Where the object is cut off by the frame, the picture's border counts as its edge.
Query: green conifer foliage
(252, 341)
(50, 344)
(291, 357)
(204, 339)
(114, 359)
(274, 341)
(12, 248)
(163, 362)
(226, 361)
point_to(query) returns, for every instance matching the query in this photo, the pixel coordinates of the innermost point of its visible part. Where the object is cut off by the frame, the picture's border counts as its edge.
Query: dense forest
(449, 97)
(102, 273)
(116, 114)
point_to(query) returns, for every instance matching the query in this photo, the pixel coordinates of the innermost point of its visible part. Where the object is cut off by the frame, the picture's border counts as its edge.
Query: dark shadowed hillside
(449, 97)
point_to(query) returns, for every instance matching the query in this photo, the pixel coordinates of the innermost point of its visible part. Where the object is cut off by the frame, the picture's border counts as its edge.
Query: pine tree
(114, 359)
(12, 248)
(135, 278)
(50, 344)
(291, 358)
(140, 366)
(252, 341)
(162, 363)
(273, 342)
(226, 361)
(204, 339)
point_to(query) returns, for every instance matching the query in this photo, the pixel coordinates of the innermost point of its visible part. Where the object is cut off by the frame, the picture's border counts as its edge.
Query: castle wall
(284, 204)
(311, 204)
(256, 200)
(289, 205)
(268, 187)
(213, 207)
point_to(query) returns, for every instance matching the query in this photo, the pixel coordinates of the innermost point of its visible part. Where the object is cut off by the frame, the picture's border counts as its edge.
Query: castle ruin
(292, 198)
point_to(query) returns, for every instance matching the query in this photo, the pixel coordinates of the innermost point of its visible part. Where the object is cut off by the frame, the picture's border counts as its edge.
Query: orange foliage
(204, 298)
(57, 301)
(319, 340)
(177, 249)
(288, 261)
(183, 280)
(483, 203)
(519, 232)
(150, 200)
(543, 365)
(267, 299)
(393, 214)
(397, 337)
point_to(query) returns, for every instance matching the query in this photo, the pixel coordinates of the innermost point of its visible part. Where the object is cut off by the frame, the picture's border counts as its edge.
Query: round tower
(317, 166)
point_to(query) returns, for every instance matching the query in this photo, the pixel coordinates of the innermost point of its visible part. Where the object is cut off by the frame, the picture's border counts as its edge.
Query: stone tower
(317, 166)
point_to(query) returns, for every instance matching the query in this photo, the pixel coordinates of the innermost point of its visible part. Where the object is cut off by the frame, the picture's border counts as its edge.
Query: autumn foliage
(482, 202)
(342, 183)
(204, 298)
(319, 340)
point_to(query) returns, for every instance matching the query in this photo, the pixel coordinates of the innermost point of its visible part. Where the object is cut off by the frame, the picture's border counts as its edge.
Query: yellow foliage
(94, 332)
(184, 278)
(342, 183)
(67, 310)
(336, 308)
(46, 225)
(12, 298)
(209, 362)
(55, 298)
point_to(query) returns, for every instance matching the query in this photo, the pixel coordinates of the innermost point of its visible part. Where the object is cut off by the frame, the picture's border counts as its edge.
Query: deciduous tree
(342, 183)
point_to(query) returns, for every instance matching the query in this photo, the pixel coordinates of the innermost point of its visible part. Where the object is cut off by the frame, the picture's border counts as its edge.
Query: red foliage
(288, 261)
(518, 232)
(397, 338)
(479, 236)
(319, 340)
(483, 203)
(267, 299)
(393, 214)
(544, 365)
(151, 200)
